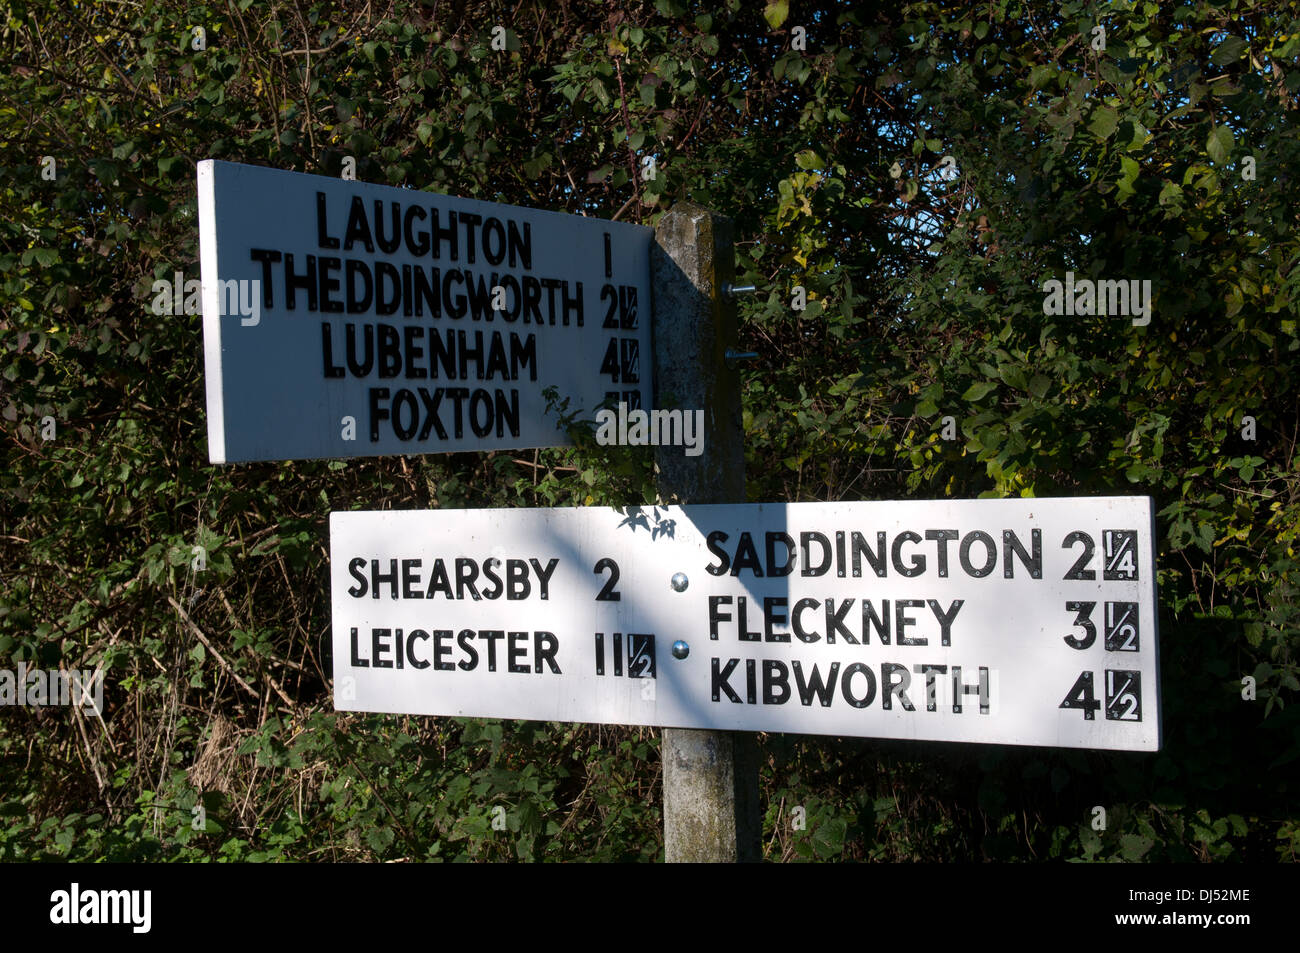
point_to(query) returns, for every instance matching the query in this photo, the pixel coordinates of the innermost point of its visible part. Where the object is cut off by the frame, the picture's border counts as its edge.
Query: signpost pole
(711, 809)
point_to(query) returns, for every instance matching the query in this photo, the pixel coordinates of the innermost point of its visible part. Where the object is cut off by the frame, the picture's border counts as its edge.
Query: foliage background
(924, 302)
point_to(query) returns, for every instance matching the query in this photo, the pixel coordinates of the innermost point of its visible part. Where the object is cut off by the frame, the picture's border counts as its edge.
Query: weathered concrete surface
(694, 324)
(711, 809)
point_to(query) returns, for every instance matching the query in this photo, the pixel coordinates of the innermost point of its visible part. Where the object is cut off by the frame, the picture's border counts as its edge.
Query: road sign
(343, 319)
(1023, 621)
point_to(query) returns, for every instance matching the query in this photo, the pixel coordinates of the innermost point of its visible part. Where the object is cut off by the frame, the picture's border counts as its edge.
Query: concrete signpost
(1021, 621)
(343, 319)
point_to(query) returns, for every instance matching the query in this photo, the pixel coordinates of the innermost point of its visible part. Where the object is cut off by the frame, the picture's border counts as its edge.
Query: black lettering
(265, 256)
(413, 333)
(391, 243)
(432, 420)
(720, 679)
(379, 647)
(358, 228)
(417, 245)
(796, 620)
(931, 695)
(327, 351)
(405, 399)
(354, 570)
(775, 676)
(357, 660)
(411, 578)
(876, 559)
(323, 238)
(742, 626)
(896, 553)
(989, 548)
(888, 687)
(809, 569)
(855, 669)
(438, 581)
(390, 352)
(410, 649)
(902, 620)
(771, 541)
(544, 575)
(328, 285)
(945, 619)
(440, 234)
(517, 585)
(545, 645)
(746, 557)
(517, 651)
(491, 636)
(835, 621)
(716, 615)
(816, 686)
(466, 573)
(1011, 544)
(305, 281)
(521, 245)
(378, 578)
(441, 651)
(724, 560)
(492, 228)
(387, 305)
(942, 537)
(490, 573)
(353, 269)
(773, 616)
(463, 640)
(871, 621)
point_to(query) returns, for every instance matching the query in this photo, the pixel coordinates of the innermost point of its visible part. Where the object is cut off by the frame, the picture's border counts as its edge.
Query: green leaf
(1040, 76)
(1229, 51)
(379, 837)
(1130, 169)
(978, 391)
(1220, 144)
(807, 159)
(1104, 121)
(1133, 846)
(1234, 301)
(775, 13)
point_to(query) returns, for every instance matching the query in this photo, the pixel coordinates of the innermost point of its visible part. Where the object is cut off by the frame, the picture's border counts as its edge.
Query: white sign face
(342, 319)
(1023, 621)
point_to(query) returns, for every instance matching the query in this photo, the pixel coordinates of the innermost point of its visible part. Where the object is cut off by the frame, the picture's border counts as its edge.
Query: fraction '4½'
(1123, 687)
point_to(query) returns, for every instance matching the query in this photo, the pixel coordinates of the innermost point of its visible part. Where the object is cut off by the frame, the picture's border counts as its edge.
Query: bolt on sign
(343, 319)
(1023, 621)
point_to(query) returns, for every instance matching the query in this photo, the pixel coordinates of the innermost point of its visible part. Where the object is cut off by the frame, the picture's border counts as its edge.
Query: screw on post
(729, 290)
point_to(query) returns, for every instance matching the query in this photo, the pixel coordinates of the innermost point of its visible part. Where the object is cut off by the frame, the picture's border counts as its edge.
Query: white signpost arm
(711, 809)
